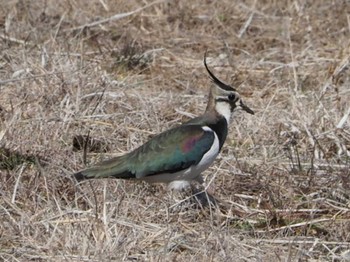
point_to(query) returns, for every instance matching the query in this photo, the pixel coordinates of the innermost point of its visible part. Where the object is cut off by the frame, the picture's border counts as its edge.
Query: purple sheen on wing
(189, 144)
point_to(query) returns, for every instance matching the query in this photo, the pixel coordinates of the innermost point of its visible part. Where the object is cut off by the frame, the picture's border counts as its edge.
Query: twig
(12, 39)
(306, 241)
(6, 81)
(343, 120)
(115, 17)
(306, 223)
(294, 63)
(246, 25)
(13, 199)
(59, 25)
(343, 64)
(105, 6)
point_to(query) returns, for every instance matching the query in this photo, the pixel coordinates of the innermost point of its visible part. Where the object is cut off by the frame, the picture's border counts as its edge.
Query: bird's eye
(231, 97)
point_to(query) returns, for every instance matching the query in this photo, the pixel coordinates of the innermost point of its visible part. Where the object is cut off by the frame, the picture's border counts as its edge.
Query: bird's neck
(216, 117)
(217, 121)
(218, 108)
(220, 128)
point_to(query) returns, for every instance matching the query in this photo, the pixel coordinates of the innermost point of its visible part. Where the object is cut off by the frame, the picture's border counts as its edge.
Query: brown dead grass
(282, 179)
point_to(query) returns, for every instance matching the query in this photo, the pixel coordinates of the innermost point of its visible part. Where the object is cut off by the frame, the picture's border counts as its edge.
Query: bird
(179, 155)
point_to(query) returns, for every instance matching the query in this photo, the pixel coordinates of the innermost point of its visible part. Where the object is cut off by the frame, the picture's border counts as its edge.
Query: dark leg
(203, 198)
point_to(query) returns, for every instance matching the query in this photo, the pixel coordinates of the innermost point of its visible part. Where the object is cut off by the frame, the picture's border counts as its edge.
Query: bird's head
(225, 99)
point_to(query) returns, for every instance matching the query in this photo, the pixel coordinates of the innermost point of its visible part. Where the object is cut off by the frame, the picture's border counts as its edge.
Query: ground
(115, 73)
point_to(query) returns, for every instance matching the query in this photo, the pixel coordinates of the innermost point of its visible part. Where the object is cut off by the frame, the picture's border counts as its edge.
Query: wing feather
(172, 151)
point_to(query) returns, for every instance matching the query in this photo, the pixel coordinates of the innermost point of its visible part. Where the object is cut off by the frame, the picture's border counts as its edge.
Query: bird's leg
(203, 198)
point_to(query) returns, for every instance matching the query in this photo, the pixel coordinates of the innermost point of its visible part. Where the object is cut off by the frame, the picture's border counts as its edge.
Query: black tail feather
(79, 176)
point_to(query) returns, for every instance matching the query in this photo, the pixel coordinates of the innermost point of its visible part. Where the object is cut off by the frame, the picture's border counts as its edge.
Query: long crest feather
(214, 79)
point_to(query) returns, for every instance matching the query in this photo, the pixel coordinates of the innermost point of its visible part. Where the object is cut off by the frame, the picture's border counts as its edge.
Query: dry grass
(71, 68)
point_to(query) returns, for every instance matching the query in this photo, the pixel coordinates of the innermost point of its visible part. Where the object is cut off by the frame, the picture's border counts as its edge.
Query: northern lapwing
(178, 155)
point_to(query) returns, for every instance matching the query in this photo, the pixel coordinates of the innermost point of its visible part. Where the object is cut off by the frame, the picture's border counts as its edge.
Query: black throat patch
(220, 128)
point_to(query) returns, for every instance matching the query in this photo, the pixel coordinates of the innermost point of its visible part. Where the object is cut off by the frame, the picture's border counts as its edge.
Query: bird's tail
(116, 167)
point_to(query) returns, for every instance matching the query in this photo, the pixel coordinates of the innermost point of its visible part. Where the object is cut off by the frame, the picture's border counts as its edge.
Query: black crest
(215, 79)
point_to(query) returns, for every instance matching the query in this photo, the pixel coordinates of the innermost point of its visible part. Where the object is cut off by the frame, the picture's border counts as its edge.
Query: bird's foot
(193, 198)
(203, 199)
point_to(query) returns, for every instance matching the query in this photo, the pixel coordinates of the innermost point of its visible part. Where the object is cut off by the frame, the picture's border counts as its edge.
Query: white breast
(210, 156)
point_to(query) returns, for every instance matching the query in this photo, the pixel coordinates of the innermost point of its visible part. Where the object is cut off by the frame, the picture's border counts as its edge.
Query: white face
(225, 102)
(224, 108)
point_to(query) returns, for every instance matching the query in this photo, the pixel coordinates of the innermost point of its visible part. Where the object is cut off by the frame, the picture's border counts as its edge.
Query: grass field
(122, 71)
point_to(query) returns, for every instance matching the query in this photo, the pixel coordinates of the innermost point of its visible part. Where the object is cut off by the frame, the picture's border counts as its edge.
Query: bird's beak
(246, 108)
